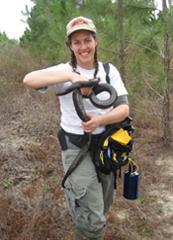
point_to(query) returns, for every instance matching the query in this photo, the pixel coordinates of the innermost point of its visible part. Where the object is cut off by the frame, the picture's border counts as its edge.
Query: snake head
(77, 85)
(94, 81)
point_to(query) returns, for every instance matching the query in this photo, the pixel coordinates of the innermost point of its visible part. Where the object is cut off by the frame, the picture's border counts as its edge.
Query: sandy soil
(32, 203)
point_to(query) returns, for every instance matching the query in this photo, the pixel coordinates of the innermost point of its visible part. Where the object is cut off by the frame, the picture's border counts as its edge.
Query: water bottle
(131, 184)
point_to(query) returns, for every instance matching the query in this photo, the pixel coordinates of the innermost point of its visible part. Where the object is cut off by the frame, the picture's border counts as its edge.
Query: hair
(73, 61)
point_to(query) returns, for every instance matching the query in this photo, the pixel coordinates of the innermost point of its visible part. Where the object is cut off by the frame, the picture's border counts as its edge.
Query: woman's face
(83, 44)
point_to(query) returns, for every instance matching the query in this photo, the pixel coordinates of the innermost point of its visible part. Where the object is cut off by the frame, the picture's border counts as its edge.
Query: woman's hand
(75, 77)
(92, 124)
(117, 114)
(86, 91)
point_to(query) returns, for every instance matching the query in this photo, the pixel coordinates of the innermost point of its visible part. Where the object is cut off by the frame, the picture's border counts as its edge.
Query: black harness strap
(107, 70)
(76, 162)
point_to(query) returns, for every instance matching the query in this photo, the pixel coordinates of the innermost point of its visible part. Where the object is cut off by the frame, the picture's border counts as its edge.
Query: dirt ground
(32, 203)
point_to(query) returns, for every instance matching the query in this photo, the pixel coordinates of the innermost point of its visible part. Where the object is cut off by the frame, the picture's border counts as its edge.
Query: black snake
(79, 107)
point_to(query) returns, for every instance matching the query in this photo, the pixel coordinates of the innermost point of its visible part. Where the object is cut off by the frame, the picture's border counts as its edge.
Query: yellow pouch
(121, 136)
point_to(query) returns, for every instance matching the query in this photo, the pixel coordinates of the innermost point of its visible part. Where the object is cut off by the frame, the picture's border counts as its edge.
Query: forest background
(136, 38)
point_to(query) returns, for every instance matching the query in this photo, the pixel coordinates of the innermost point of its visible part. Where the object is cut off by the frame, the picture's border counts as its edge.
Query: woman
(88, 198)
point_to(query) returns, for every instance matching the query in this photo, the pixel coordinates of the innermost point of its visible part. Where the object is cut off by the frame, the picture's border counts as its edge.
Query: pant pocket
(108, 182)
(86, 206)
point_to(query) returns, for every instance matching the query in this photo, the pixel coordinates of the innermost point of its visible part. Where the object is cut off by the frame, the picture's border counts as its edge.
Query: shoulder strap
(107, 70)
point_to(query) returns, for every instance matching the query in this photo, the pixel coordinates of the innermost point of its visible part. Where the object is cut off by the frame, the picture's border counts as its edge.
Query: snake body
(79, 107)
(96, 89)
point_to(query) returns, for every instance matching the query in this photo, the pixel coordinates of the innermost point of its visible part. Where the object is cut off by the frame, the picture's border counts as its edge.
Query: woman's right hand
(75, 77)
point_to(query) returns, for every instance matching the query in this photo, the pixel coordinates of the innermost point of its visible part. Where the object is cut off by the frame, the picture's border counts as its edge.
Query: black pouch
(62, 140)
(76, 139)
(111, 156)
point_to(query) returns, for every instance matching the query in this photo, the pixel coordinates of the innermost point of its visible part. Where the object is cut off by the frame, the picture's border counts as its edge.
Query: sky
(11, 16)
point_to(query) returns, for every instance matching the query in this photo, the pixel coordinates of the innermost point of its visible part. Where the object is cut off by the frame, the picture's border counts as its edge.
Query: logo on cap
(79, 21)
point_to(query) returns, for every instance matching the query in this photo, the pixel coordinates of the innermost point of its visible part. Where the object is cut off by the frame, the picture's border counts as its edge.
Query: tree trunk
(80, 3)
(121, 43)
(166, 63)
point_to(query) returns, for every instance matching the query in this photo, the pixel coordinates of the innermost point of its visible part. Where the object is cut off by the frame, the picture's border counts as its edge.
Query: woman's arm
(117, 114)
(44, 78)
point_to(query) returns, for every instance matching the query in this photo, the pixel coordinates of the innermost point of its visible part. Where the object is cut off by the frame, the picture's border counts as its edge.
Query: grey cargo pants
(88, 199)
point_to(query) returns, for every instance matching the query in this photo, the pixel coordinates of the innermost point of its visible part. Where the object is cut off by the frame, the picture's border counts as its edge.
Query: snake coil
(96, 89)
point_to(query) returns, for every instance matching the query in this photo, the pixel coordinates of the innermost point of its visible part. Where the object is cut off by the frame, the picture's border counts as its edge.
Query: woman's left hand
(86, 91)
(91, 125)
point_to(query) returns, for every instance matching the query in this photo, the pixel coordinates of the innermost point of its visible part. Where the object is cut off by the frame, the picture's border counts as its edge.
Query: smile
(84, 54)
